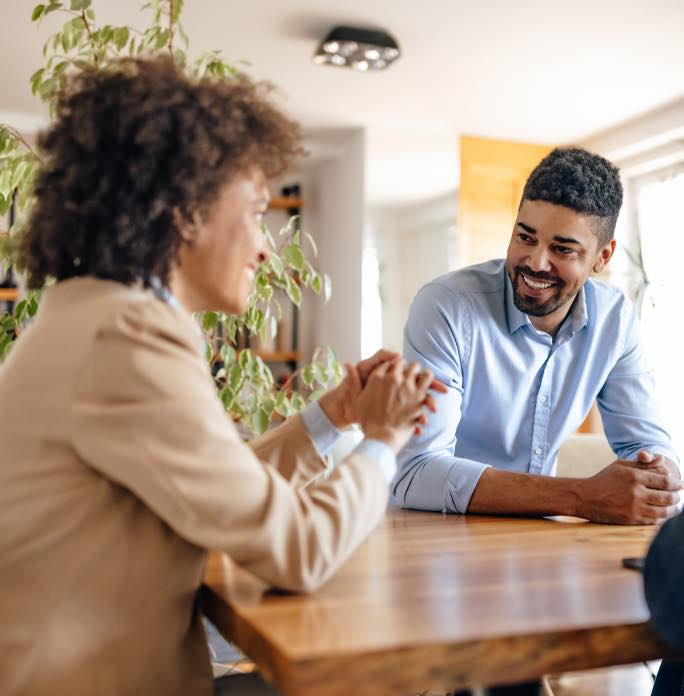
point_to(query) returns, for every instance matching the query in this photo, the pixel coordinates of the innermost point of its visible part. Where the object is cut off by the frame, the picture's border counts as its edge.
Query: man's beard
(533, 306)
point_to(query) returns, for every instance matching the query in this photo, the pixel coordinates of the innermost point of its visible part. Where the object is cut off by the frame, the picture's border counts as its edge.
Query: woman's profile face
(217, 264)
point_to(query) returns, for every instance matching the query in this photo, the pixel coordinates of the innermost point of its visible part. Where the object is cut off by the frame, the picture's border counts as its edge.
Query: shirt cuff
(323, 433)
(382, 454)
(460, 484)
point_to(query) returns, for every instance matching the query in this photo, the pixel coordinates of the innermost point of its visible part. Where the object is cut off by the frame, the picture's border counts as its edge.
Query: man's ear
(605, 254)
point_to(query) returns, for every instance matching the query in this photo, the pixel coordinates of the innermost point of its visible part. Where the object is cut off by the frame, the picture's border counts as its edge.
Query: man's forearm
(505, 493)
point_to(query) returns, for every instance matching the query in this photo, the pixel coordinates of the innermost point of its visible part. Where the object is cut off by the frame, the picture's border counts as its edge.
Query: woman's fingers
(354, 379)
(429, 403)
(438, 386)
(424, 380)
(421, 418)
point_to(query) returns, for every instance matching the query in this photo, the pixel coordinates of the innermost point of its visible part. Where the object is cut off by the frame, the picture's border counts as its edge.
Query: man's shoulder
(481, 279)
(606, 299)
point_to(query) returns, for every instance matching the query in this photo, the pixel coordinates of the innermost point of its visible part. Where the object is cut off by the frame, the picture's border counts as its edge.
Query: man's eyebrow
(557, 238)
(567, 240)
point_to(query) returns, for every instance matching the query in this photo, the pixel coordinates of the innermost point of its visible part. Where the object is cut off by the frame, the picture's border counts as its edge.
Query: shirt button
(543, 399)
(538, 450)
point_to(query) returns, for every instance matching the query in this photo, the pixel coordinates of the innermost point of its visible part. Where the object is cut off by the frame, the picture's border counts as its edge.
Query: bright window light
(660, 217)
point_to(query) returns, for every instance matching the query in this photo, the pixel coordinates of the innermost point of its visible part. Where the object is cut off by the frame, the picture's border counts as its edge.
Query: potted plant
(245, 383)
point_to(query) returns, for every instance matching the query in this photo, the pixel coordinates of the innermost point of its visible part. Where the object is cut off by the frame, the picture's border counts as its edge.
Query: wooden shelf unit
(9, 294)
(279, 355)
(286, 203)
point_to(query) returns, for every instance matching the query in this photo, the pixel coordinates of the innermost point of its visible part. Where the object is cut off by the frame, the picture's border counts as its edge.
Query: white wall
(415, 244)
(334, 213)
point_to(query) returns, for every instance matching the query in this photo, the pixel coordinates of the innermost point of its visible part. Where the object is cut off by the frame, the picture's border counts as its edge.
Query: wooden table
(441, 602)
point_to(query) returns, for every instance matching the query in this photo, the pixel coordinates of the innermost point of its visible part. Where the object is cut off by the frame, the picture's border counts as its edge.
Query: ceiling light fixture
(364, 50)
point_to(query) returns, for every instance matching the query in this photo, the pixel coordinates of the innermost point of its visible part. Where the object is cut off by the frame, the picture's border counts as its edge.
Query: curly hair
(136, 151)
(580, 180)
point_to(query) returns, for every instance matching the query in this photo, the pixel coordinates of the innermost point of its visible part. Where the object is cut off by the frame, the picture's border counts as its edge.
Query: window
(657, 251)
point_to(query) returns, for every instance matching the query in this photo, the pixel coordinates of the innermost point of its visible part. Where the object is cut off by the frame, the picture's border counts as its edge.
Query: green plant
(245, 383)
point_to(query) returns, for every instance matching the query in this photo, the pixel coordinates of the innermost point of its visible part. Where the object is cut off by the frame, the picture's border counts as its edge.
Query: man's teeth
(536, 286)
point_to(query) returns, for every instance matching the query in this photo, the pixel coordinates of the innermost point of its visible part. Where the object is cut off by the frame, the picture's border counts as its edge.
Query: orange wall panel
(493, 175)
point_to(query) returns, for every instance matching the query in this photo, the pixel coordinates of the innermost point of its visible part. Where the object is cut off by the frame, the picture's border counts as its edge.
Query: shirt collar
(579, 317)
(163, 293)
(516, 318)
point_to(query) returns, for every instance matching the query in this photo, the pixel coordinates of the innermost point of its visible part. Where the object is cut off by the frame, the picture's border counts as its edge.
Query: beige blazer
(119, 468)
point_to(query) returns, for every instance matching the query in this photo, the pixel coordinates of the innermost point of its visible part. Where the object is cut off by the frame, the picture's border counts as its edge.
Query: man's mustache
(538, 275)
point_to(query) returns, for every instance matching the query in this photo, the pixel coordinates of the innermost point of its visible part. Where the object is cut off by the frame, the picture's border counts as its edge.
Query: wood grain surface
(442, 602)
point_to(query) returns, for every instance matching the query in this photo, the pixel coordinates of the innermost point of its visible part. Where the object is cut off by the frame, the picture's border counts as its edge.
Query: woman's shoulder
(122, 312)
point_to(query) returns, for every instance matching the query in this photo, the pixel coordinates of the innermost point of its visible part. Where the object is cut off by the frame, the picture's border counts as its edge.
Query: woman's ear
(186, 227)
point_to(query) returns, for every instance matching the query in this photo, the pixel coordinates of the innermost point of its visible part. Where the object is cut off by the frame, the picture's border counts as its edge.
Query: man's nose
(539, 259)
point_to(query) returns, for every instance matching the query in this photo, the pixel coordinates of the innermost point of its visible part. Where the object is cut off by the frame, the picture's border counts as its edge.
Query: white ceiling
(526, 70)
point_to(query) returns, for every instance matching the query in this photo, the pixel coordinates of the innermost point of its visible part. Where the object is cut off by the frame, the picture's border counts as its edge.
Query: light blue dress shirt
(514, 393)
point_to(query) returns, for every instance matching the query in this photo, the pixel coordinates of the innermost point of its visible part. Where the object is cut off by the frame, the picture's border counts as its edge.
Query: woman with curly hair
(120, 467)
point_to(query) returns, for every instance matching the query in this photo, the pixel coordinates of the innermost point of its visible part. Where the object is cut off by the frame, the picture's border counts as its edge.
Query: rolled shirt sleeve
(430, 477)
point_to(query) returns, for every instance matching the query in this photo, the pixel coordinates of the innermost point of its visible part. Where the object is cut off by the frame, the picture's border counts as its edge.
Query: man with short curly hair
(526, 346)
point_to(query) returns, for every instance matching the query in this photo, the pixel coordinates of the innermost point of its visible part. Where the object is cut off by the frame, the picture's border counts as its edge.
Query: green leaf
(293, 257)
(291, 227)
(316, 395)
(162, 38)
(32, 306)
(293, 291)
(176, 9)
(282, 404)
(313, 244)
(308, 375)
(235, 376)
(5, 345)
(78, 5)
(121, 37)
(179, 57)
(20, 310)
(227, 353)
(317, 284)
(35, 80)
(277, 265)
(18, 173)
(260, 421)
(209, 320)
(38, 11)
(322, 376)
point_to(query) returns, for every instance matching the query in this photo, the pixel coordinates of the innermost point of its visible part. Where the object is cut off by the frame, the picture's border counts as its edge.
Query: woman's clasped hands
(388, 397)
